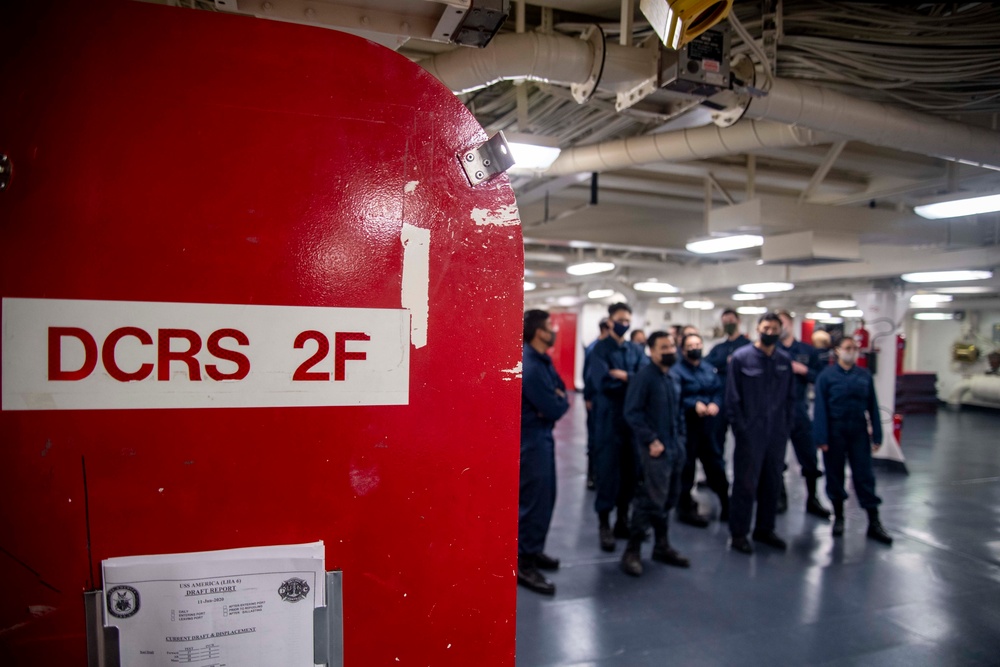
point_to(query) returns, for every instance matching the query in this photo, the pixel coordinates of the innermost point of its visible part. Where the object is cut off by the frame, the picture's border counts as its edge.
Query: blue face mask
(621, 328)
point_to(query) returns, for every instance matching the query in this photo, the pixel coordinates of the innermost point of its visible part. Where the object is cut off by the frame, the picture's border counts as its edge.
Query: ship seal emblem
(123, 601)
(293, 590)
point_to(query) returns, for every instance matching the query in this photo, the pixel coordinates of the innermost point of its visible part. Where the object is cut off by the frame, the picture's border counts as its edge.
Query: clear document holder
(328, 628)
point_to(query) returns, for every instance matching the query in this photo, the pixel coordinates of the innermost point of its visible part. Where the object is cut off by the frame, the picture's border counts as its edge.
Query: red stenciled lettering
(302, 373)
(219, 352)
(164, 355)
(342, 355)
(56, 371)
(108, 354)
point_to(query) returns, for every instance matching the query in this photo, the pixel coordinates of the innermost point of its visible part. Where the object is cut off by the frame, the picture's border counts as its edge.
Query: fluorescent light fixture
(959, 207)
(833, 320)
(818, 316)
(654, 286)
(568, 300)
(965, 290)
(589, 268)
(529, 286)
(725, 244)
(934, 316)
(765, 287)
(930, 299)
(600, 293)
(751, 310)
(852, 313)
(532, 152)
(833, 304)
(699, 304)
(945, 276)
(670, 299)
(748, 297)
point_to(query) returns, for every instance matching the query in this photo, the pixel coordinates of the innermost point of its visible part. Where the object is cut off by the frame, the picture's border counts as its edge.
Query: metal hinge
(486, 160)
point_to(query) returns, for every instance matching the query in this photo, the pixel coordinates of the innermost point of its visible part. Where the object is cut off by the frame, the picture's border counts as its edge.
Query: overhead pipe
(875, 123)
(568, 61)
(698, 143)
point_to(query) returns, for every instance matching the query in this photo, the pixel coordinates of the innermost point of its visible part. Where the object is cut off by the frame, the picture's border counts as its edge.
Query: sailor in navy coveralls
(845, 405)
(613, 364)
(543, 402)
(760, 404)
(806, 366)
(652, 410)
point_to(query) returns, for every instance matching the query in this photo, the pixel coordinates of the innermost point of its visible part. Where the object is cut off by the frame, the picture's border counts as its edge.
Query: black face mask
(552, 341)
(693, 355)
(767, 340)
(668, 359)
(620, 328)
(730, 329)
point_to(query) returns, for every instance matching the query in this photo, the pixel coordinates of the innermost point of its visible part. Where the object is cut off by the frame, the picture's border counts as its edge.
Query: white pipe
(567, 60)
(531, 55)
(692, 144)
(875, 123)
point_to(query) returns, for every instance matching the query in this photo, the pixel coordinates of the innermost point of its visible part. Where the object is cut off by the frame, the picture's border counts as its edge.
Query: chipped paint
(416, 280)
(504, 216)
(411, 187)
(515, 372)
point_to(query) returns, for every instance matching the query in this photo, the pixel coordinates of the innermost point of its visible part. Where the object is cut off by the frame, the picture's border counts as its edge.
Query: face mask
(693, 355)
(621, 328)
(552, 340)
(730, 329)
(848, 357)
(767, 340)
(668, 359)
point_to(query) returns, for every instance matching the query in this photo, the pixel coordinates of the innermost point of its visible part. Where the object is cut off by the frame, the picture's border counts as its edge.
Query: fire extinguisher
(897, 428)
(900, 353)
(863, 339)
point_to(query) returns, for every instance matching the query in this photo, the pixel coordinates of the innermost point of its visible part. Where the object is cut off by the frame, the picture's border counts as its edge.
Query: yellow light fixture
(677, 22)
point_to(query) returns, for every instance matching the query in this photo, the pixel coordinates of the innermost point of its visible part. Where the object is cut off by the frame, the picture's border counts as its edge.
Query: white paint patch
(416, 280)
(411, 187)
(515, 371)
(505, 216)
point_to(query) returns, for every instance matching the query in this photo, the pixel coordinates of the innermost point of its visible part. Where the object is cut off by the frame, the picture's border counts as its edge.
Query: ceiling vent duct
(811, 247)
(768, 215)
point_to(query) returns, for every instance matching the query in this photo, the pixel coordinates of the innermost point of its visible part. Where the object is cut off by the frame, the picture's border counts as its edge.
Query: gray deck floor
(933, 598)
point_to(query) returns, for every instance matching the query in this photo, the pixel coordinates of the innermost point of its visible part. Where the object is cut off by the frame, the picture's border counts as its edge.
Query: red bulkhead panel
(303, 183)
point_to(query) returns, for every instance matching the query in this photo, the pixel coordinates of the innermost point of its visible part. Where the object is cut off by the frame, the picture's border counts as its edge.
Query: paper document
(230, 608)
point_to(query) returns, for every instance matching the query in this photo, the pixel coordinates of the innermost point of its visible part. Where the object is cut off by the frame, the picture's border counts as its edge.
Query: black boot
(621, 531)
(875, 529)
(663, 553)
(838, 518)
(605, 534)
(631, 560)
(687, 512)
(531, 578)
(813, 506)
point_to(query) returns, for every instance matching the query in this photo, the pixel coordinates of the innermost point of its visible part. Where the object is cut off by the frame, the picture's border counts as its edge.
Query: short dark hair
(603, 325)
(533, 321)
(769, 316)
(730, 311)
(655, 336)
(840, 341)
(690, 335)
(615, 307)
(635, 334)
